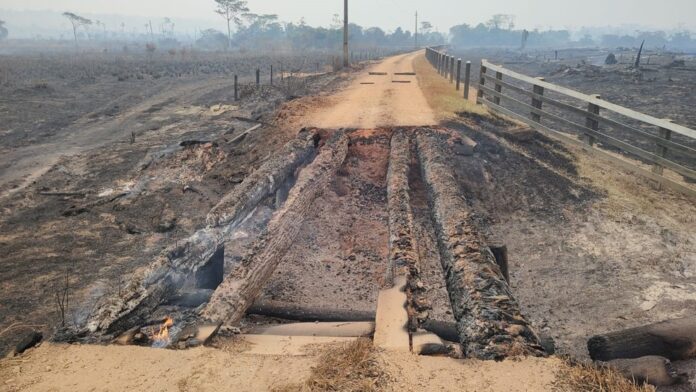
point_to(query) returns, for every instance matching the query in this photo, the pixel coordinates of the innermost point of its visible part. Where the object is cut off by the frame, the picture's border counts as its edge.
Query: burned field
(94, 187)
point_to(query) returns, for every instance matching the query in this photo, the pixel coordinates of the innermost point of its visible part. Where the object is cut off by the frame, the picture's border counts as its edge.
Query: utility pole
(346, 60)
(416, 35)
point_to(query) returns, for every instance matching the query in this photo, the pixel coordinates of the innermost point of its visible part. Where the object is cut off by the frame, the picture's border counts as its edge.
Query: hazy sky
(392, 13)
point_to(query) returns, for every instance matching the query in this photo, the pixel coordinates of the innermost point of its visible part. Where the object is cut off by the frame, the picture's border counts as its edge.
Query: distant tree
(3, 30)
(501, 21)
(212, 39)
(525, 37)
(231, 11)
(426, 27)
(76, 21)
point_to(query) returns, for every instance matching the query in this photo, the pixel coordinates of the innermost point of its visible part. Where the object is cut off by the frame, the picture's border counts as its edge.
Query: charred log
(295, 312)
(403, 252)
(672, 339)
(159, 281)
(241, 287)
(152, 285)
(489, 320)
(264, 181)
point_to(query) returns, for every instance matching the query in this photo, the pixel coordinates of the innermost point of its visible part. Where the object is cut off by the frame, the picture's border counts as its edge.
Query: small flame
(163, 335)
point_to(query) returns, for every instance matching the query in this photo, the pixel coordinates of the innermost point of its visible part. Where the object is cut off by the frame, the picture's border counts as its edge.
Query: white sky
(388, 14)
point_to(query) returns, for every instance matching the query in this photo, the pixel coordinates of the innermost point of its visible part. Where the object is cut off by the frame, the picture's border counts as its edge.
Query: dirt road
(377, 98)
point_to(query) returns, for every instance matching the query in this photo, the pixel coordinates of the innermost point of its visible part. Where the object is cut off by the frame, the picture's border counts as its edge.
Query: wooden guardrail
(490, 92)
(450, 68)
(669, 142)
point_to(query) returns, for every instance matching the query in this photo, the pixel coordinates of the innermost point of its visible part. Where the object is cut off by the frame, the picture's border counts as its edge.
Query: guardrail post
(591, 122)
(661, 150)
(439, 59)
(482, 82)
(459, 73)
(467, 79)
(498, 88)
(537, 103)
(236, 95)
(442, 64)
(258, 77)
(451, 75)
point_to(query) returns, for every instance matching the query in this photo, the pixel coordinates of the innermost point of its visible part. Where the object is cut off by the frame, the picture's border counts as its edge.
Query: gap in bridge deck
(339, 258)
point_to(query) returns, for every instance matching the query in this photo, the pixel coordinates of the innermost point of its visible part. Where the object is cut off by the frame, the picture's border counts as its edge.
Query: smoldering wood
(241, 287)
(246, 196)
(153, 284)
(190, 298)
(490, 324)
(672, 339)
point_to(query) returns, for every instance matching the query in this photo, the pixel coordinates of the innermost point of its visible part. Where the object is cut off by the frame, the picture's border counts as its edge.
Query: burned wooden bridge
(191, 279)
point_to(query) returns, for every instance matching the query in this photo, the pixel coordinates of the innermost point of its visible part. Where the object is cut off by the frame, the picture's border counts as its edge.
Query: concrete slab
(392, 319)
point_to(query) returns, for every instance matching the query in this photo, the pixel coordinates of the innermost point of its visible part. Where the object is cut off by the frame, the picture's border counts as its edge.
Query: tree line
(499, 31)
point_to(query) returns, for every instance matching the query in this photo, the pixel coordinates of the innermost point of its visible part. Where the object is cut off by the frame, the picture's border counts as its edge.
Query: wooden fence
(550, 108)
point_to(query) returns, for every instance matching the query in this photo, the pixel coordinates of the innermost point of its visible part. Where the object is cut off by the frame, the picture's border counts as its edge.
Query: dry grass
(629, 192)
(586, 377)
(352, 367)
(442, 96)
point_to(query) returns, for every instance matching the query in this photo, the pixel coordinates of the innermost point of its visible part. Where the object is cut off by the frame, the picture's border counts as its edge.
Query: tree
(500, 21)
(426, 27)
(232, 11)
(76, 21)
(3, 30)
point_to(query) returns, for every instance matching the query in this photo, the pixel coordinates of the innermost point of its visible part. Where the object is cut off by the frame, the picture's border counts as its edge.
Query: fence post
(459, 73)
(236, 95)
(482, 83)
(467, 79)
(591, 122)
(258, 77)
(537, 103)
(661, 150)
(451, 75)
(498, 88)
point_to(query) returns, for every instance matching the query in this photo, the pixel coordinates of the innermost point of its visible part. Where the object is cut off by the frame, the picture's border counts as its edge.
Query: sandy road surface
(386, 102)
